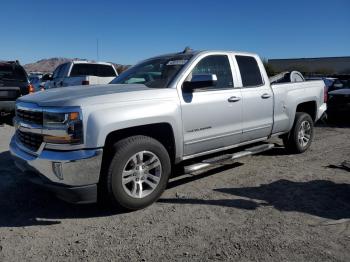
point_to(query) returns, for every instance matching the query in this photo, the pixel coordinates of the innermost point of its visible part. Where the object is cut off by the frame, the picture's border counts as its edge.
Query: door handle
(265, 96)
(233, 99)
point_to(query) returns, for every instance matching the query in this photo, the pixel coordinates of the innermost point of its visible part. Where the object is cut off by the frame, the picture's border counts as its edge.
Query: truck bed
(288, 95)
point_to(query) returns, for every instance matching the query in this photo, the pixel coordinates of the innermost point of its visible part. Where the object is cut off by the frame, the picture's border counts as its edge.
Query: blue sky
(131, 30)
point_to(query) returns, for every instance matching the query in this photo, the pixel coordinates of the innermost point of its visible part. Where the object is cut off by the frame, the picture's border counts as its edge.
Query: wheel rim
(141, 174)
(304, 135)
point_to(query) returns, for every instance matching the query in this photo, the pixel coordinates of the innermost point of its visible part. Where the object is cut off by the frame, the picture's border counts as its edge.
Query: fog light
(57, 170)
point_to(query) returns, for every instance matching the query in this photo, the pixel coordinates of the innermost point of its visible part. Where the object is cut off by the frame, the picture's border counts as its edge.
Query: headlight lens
(63, 128)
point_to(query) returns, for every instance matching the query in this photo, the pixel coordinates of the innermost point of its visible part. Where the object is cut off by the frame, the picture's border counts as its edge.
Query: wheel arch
(309, 107)
(162, 132)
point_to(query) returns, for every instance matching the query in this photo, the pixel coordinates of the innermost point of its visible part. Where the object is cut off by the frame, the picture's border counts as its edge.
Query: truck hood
(96, 94)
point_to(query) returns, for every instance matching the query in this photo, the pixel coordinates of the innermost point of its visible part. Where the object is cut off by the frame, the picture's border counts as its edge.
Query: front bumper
(72, 175)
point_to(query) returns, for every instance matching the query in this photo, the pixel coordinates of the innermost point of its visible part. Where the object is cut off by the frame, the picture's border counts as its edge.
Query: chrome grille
(30, 140)
(30, 116)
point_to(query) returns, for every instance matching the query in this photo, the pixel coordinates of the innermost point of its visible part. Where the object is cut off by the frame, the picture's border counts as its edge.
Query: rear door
(211, 116)
(257, 119)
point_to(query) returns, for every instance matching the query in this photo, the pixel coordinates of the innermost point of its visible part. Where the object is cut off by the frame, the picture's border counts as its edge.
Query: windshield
(93, 70)
(154, 73)
(12, 72)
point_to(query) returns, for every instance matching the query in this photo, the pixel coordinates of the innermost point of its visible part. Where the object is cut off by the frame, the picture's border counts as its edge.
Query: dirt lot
(269, 207)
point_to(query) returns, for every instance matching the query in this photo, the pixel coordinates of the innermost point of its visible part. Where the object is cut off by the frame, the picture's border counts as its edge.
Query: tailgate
(92, 80)
(9, 93)
(73, 81)
(99, 80)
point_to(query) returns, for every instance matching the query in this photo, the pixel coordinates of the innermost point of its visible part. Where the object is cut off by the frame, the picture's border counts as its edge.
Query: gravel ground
(269, 207)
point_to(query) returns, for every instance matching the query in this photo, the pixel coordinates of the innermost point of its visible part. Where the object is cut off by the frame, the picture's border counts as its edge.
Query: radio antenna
(97, 50)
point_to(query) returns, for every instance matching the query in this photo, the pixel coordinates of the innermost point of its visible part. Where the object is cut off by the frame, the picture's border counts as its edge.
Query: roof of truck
(196, 52)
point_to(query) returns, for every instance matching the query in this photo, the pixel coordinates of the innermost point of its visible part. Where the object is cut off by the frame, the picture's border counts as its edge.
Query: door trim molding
(257, 128)
(211, 138)
(224, 148)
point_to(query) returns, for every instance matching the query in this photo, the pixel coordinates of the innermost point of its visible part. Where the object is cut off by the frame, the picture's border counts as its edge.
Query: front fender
(106, 119)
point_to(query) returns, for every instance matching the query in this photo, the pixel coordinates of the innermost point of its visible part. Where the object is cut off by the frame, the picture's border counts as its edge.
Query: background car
(14, 83)
(338, 84)
(39, 82)
(35, 81)
(338, 107)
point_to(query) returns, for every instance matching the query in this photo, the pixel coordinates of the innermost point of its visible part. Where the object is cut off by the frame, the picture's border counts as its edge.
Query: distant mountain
(46, 65)
(49, 65)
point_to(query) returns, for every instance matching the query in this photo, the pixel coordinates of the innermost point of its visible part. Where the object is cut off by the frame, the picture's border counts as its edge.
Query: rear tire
(299, 139)
(137, 174)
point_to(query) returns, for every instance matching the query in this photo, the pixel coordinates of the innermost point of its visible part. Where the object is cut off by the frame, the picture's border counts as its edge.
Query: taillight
(85, 82)
(325, 96)
(31, 89)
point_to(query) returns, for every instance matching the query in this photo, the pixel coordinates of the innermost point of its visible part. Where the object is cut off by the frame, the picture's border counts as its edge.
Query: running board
(210, 162)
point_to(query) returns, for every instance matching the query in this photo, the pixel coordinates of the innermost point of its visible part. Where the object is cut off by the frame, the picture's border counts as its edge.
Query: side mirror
(200, 81)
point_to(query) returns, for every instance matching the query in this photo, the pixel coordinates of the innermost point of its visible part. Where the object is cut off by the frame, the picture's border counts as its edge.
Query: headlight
(63, 128)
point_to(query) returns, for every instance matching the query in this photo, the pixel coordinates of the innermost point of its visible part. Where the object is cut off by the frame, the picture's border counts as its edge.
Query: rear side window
(250, 71)
(62, 71)
(56, 72)
(92, 70)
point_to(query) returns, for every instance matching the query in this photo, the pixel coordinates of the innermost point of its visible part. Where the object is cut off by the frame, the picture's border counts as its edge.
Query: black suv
(13, 84)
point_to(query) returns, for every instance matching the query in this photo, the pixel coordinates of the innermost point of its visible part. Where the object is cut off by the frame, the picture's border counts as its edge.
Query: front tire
(137, 174)
(299, 139)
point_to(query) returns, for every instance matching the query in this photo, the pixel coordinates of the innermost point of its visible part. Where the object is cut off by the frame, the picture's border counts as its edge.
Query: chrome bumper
(321, 111)
(66, 168)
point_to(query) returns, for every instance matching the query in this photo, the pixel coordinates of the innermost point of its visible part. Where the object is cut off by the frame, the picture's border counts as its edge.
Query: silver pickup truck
(121, 142)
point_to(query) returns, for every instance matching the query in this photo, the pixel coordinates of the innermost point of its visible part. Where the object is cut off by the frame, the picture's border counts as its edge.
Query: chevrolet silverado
(121, 142)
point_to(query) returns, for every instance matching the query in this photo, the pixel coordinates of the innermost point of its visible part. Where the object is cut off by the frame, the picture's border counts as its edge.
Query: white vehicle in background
(78, 73)
(35, 75)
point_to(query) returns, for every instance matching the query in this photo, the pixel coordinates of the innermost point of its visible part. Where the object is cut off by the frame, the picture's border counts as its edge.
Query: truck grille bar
(30, 116)
(30, 140)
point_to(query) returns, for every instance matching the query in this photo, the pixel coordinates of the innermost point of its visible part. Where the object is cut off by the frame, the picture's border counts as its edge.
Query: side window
(56, 72)
(218, 65)
(62, 73)
(250, 72)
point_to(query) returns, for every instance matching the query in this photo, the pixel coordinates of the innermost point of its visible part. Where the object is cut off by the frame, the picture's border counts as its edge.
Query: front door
(212, 116)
